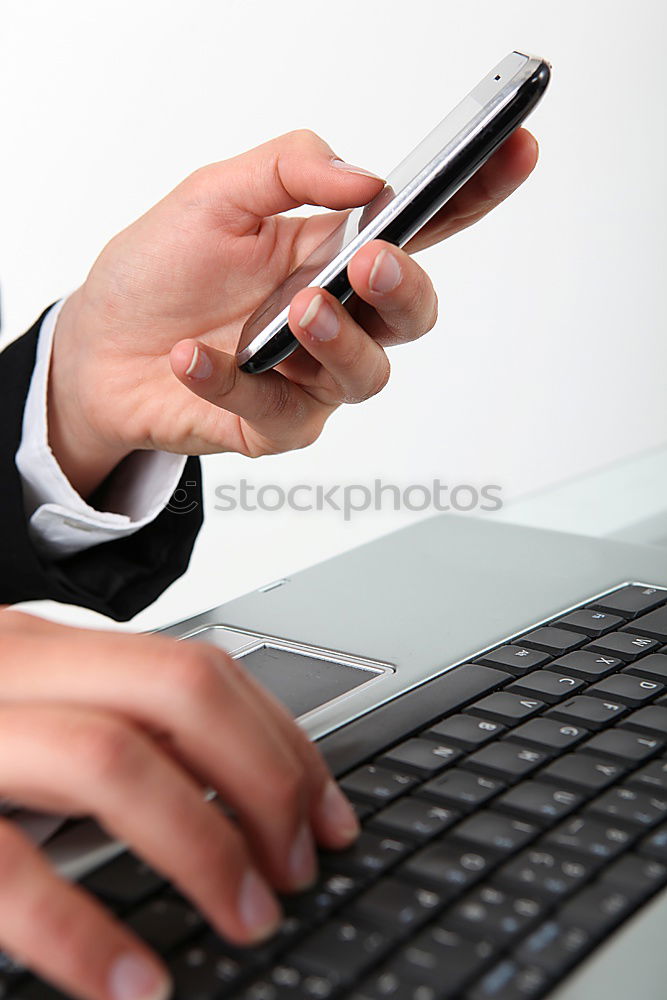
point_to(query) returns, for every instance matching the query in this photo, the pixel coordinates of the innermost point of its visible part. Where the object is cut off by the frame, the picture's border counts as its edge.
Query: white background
(550, 355)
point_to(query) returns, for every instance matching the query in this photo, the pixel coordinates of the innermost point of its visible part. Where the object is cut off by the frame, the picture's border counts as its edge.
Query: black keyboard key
(546, 685)
(466, 731)
(493, 831)
(631, 873)
(652, 777)
(624, 645)
(587, 772)
(506, 708)
(541, 871)
(377, 783)
(632, 691)
(550, 639)
(630, 805)
(585, 835)
(435, 966)
(631, 601)
(632, 747)
(198, 974)
(508, 980)
(517, 659)
(371, 853)
(655, 845)
(549, 733)
(125, 881)
(462, 790)
(539, 802)
(599, 908)
(287, 982)
(591, 623)
(555, 948)
(331, 891)
(414, 818)
(423, 756)
(448, 865)
(165, 923)
(653, 666)
(652, 719)
(507, 761)
(491, 913)
(653, 625)
(592, 713)
(341, 951)
(398, 903)
(588, 666)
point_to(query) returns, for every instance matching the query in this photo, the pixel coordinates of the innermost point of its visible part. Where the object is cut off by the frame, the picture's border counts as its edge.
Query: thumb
(295, 169)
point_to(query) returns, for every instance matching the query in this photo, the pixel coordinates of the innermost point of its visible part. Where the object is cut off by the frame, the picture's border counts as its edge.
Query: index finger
(502, 174)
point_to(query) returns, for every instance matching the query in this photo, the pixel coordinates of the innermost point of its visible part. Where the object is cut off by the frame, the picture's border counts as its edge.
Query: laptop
(493, 699)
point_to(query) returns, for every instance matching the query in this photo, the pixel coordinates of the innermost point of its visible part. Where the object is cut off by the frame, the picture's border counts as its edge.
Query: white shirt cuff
(61, 523)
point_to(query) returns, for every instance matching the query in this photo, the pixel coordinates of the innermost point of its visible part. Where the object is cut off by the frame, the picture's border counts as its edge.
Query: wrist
(84, 454)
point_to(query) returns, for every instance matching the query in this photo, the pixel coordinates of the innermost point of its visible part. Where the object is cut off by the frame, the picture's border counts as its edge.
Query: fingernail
(352, 169)
(258, 907)
(200, 366)
(337, 813)
(385, 273)
(302, 864)
(320, 320)
(132, 977)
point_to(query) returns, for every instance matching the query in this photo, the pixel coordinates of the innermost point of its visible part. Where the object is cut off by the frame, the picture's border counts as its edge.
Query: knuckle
(194, 672)
(108, 747)
(286, 789)
(379, 381)
(303, 137)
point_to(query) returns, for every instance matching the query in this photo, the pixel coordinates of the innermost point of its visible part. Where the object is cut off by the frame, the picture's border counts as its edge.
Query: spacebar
(370, 733)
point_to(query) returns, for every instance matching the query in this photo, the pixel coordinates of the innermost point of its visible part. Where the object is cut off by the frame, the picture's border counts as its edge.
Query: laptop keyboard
(501, 842)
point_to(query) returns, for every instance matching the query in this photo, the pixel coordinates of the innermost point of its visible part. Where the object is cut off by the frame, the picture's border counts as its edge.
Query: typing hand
(144, 350)
(131, 729)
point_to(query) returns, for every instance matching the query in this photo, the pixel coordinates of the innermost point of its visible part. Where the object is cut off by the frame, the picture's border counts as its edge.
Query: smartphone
(419, 186)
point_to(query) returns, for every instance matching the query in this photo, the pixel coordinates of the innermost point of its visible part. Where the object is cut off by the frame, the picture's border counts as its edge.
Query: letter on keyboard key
(425, 756)
(633, 691)
(588, 666)
(453, 866)
(584, 771)
(590, 836)
(371, 852)
(624, 744)
(549, 733)
(510, 981)
(630, 805)
(546, 685)
(591, 623)
(493, 831)
(414, 818)
(435, 966)
(462, 789)
(466, 731)
(624, 645)
(555, 948)
(653, 666)
(543, 872)
(592, 713)
(507, 761)
(507, 708)
(631, 601)
(517, 659)
(341, 951)
(539, 802)
(553, 640)
(377, 783)
(398, 903)
(491, 913)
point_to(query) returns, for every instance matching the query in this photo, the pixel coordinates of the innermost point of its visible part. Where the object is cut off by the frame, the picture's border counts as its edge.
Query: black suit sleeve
(117, 578)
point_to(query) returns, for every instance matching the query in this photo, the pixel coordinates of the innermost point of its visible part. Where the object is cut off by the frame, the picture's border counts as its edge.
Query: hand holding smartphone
(418, 188)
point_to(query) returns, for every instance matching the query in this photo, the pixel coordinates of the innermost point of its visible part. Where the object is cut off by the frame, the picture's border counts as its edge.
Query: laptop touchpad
(302, 677)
